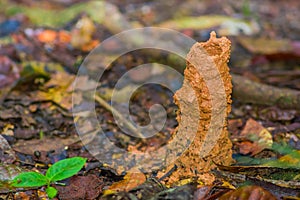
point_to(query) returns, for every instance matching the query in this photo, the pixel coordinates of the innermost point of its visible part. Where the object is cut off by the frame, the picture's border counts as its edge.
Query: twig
(124, 121)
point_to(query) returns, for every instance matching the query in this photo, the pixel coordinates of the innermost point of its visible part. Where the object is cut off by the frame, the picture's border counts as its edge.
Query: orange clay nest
(191, 164)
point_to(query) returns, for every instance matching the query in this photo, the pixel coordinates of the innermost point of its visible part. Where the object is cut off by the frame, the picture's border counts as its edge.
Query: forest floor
(43, 44)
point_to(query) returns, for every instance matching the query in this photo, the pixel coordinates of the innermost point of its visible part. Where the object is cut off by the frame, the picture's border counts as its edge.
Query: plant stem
(124, 121)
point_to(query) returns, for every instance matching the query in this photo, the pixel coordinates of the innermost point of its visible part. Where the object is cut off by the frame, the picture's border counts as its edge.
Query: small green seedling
(59, 171)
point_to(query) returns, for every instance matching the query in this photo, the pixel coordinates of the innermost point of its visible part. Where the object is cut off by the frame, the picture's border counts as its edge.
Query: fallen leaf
(7, 155)
(46, 144)
(22, 195)
(280, 181)
(9, 73)
(130, 181)
(7, 173)
(290, 158)
(81, 187)
(258, 138)
(47, 36)
(249, 193)
(81, 34)
(58, 89)
(266, 46)
(277, 114)
(229, 25)
(51, 36)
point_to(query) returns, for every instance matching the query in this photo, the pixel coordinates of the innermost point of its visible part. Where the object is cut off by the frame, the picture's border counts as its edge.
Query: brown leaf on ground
(257, 138)
(81, 187)
(7, 155)
(249, 193)
(130, 181)
(45, 144)
(207, 147)
(9, 73)
(58, 90)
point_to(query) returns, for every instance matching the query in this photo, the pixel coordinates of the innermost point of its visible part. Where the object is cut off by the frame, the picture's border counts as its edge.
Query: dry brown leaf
(6, 152)
(260, 138)
(46, 144)
(131, 180)
(192, 163)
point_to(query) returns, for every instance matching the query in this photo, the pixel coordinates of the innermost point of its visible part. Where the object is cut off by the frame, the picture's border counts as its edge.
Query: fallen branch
(248, 91)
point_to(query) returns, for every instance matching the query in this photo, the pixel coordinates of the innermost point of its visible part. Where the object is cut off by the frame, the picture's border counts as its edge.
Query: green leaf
(51, 192)
(29, 179)
(65, 168)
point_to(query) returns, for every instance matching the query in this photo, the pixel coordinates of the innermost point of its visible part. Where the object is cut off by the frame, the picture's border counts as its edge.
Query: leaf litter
(48, 115)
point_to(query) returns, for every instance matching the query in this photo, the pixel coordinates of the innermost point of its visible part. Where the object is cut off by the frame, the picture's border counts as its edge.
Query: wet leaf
(249, 193)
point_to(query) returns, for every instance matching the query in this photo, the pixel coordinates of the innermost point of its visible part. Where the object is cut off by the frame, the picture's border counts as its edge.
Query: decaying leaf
(265, 46)
(30, 146)
(58, 90)
(228, 25)
(82, 34)
(260, 138)
(9, 73)
(130, 181)
(280, 181)
(191, 163)
(7, 173)
(81, 187)
(247, 193)
(290, 158)
(6, 153)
